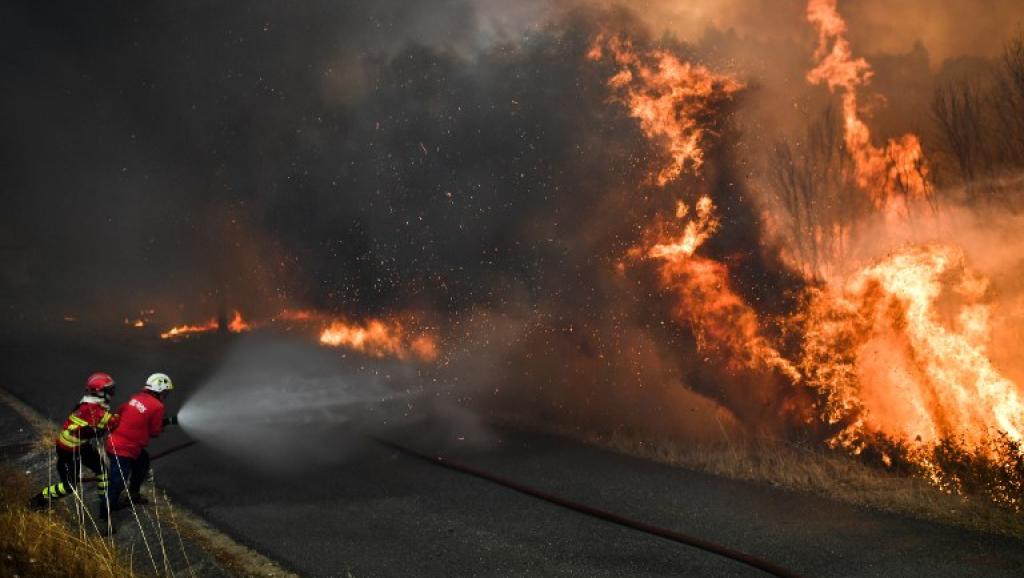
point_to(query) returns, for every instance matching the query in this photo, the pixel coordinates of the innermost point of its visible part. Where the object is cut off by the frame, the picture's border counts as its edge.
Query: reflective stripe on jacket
(89, 420)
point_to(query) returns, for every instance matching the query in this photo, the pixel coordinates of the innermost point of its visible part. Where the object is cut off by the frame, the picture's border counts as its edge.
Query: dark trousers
(69, 470)
(126, 473)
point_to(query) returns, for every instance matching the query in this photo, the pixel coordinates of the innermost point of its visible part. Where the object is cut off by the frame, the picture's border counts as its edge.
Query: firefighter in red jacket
(140, 419)
(77, 444)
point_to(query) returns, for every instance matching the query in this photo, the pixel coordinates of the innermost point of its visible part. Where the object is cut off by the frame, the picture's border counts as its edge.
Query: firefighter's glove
(171, 419)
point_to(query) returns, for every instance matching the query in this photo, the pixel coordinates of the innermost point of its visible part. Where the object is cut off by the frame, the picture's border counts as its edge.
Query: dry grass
(41, 544)
(47, 544)
(820, 472)
(45, 439)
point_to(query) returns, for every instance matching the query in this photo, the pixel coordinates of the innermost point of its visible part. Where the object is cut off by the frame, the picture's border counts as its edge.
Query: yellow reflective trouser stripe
(77, 421)
(102, 481)
(55, 491)
(70, 439)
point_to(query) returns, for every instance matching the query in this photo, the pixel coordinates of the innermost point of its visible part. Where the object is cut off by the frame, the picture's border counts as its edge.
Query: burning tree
(822, 203)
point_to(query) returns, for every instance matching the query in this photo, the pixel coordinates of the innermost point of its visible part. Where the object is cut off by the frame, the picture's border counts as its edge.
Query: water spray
(274, 402)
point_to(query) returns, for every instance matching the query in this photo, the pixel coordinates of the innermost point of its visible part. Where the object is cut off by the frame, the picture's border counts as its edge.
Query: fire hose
(678, 537)
(159, 454)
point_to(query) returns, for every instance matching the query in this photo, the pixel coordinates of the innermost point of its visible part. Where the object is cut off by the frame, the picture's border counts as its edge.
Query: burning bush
(892, 350)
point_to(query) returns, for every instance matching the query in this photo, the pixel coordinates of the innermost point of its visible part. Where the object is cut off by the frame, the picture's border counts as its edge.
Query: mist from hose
(287, 406)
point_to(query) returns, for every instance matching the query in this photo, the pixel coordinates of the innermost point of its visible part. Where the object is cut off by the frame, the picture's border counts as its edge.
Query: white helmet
(159, 382)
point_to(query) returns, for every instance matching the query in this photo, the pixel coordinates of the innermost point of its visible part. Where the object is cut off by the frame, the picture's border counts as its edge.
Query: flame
(237, 324)
(297, 315)
(892, 175)
(375, 337)
(379, 338)
(184, 330)
(722, 322)
(903, 348)
(670, 99)
(694, 234)
(899, 348)
(145, 316)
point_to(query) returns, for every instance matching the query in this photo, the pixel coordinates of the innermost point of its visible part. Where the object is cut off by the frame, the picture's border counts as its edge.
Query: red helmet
(98, 382)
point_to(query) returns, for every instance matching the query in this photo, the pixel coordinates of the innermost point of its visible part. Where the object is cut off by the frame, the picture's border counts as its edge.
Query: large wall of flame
(457, 157)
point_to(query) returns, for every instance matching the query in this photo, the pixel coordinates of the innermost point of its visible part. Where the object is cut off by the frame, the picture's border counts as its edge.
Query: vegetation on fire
(891, 341)
(976, 160)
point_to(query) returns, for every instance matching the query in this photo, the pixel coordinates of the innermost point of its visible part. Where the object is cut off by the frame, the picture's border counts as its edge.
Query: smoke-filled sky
(366, 156)
(947, 28)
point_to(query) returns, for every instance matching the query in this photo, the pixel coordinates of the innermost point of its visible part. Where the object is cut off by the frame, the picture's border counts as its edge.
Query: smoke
(946, 28)
(146, 142)
(458, 158)
(181, 156)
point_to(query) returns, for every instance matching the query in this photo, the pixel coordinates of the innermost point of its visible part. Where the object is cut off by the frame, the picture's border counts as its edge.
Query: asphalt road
(381, 513)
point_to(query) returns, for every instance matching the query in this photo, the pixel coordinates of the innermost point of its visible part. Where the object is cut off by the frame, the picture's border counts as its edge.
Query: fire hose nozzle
(171, 420)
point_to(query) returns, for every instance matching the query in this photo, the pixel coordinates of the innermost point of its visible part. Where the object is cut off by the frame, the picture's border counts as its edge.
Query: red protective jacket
(90, 419)
(141, 418)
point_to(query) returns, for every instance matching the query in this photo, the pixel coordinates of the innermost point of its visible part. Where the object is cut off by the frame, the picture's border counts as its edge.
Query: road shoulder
(189, 546)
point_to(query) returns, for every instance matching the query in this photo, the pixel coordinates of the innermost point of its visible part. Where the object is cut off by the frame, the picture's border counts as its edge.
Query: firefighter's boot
(38, 502)
(104, 521)
(137, 499)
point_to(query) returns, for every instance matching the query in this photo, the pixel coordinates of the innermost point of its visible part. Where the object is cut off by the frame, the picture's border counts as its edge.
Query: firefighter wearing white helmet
(159, 382)
(141, 419)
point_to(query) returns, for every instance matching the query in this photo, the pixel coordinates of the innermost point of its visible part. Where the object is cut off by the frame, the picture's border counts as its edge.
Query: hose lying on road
(744, 558)
(173, 449)
(160, 454)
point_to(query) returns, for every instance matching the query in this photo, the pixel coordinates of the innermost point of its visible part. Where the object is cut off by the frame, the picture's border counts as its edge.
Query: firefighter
(140, 418)
(78, 440)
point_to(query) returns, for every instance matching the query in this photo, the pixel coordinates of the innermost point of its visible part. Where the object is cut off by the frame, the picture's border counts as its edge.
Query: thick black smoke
(147, 146)
(366, 157)
(384, 151)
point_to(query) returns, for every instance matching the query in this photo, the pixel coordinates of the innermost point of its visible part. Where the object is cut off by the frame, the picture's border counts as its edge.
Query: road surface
(378, 512)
